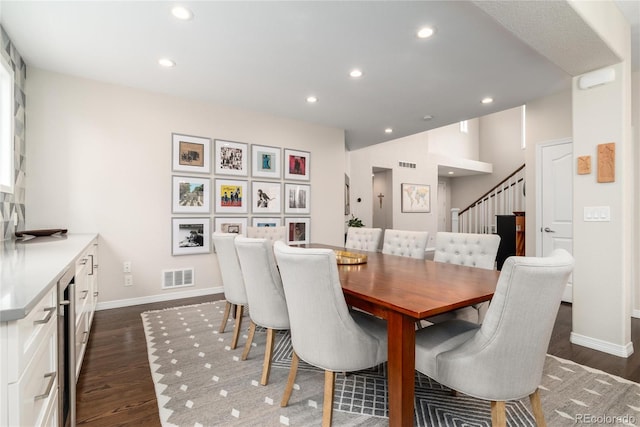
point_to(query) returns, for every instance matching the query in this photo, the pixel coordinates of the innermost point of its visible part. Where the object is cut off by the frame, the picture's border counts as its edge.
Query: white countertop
(29, 269)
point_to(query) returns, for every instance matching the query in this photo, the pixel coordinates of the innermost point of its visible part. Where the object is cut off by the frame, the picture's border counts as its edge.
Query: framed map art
(415, 198)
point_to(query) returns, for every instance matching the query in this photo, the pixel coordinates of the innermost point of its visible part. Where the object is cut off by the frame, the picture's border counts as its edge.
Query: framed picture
(191, 153)
(265, 161)
(231, 225)
(190, 194)
(297, 230)
(190, 236)
(266, 222)
(232, 158)
(416, 198)
(297, 164)
(297, 199)
(266, 196)
(231, 196)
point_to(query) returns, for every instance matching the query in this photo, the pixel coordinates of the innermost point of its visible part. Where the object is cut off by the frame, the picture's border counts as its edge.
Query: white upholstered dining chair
(271, 233)
(267, 304)
(503, 358)
(363, 238)
(405, 243)
(473, 250)
(232, 281)
(324, 332)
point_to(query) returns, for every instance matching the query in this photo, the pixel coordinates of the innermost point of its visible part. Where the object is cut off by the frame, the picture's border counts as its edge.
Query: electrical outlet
(128, 280)
(126, 267)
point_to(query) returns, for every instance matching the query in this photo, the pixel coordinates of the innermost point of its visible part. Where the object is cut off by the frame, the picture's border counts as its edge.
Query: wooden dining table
(403, 290)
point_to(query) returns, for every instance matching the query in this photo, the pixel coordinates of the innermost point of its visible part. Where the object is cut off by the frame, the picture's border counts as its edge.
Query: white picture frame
(298, 230)
(190, 236)
(258, 221)
(297, 165)
(266, 161)
(297, 199)
(231, 158)
(266, 196)
(237, 225)
(191, 153)
(231, 196)
(190, 195)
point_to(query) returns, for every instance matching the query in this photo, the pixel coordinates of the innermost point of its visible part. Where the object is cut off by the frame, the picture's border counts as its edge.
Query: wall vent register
(177, 278)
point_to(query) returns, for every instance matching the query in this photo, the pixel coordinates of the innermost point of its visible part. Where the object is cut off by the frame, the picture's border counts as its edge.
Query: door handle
(548, 230)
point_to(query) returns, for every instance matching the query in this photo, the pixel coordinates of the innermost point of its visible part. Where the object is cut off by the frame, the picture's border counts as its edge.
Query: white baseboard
(158, 298)
(600, 345)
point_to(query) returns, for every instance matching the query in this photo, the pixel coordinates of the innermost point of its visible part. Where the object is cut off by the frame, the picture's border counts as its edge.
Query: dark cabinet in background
(506, 229)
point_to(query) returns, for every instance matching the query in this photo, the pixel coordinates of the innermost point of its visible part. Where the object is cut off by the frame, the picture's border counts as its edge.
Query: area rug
(200, 381)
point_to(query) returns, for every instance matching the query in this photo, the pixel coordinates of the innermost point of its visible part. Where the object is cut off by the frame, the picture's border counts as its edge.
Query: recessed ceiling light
(451, 172)
(356, 73)
(426, 32)
(182, 13)
(166, 62)
(427, 117)
(312, 99)
(388, 130)
(487, 100)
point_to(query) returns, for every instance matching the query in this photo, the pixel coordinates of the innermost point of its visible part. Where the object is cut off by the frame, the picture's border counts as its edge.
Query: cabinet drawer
(31, 397)
(82, 336)
(24, 335)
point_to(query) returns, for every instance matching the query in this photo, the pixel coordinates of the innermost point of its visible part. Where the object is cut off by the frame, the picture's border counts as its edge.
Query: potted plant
(354, 221)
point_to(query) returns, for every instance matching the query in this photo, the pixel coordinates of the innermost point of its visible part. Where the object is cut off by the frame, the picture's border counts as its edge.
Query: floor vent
(177, 278)
(407, 165)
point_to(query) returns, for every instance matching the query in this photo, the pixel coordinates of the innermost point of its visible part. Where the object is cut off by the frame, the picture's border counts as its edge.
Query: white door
(556, 202)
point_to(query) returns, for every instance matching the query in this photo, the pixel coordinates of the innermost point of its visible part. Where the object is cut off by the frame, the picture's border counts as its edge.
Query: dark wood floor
(115, 386)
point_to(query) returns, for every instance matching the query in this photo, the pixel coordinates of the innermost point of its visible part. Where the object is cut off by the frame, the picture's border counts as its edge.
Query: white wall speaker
(597, 78)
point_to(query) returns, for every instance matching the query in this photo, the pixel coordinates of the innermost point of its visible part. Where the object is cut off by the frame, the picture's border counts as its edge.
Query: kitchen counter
(30, 268)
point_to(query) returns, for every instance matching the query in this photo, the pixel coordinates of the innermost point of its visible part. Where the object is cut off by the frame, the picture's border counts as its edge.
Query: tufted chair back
(270, 233)
(405, 243)
(364, 239)
(473, 250)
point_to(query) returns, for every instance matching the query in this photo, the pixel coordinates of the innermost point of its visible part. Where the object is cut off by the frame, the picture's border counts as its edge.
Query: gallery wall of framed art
(227, 186)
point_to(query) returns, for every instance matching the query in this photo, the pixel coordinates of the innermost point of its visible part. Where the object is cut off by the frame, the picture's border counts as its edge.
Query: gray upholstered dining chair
(232, 281)
(363, 238)
(473, 250)
(405, 243)
(271, 233)
(503, 358)
(267, 305)
(324, 332)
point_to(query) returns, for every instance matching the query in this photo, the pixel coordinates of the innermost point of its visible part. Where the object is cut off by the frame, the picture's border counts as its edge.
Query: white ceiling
(269, 56)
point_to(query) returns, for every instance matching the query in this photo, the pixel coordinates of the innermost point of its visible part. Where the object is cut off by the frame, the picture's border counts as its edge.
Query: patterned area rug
(200, 381)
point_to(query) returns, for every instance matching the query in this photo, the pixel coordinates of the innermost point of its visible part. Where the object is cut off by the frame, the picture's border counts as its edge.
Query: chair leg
(268, 352)
(327, 407)
(498, 414)
(236, 331)
(225, 317)
(290, 380)
(247, 345)
(538, 413)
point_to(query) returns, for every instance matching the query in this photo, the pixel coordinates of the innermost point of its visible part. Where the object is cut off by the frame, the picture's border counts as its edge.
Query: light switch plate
(597, 213)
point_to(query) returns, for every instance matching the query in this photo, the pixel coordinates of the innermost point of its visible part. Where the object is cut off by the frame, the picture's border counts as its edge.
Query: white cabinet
(86, 280)
(31, 349)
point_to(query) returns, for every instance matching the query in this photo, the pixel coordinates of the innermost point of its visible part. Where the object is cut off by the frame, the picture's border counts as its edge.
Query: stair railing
(506, 197)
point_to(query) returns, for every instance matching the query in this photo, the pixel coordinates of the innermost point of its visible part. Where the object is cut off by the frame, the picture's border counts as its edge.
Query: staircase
(504, 199)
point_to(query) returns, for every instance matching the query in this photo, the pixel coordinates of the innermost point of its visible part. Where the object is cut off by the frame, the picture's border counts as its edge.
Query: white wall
(499, 144)
(99, 160)
(448, 141)
(635, 121)
(387, 155)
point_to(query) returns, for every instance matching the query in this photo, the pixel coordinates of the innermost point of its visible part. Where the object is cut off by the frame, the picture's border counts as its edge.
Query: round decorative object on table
(350, 258)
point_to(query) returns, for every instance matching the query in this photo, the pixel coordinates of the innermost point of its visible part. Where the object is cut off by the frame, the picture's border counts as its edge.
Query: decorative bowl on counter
(349, 258)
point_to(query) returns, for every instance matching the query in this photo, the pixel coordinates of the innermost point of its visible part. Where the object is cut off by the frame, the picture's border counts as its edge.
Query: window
(464, 126)
(6, 127)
